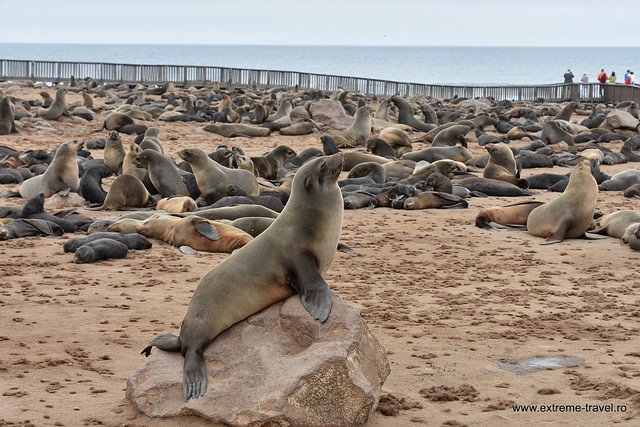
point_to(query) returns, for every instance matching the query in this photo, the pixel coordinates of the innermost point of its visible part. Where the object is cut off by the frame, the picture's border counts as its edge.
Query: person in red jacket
(629, 79)
(602, 77)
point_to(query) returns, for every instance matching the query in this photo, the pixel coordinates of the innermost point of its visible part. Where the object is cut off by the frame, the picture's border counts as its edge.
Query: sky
(326, 22)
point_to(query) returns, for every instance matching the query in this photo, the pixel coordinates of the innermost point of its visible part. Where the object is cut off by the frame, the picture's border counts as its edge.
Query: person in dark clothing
(568, 77)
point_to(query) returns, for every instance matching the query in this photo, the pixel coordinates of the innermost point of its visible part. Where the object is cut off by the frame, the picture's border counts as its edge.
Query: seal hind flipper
(194, 381)
(166, 342)
(207, 230)
(346, 249)
(315, 294)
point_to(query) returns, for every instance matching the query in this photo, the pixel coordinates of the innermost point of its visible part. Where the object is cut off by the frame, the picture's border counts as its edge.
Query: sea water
(413, 64)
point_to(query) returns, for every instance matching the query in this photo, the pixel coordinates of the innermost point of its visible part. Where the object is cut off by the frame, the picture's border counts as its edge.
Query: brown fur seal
(163, 173)
(616, 223)
(57, 109)
(451, 136)
(177, 204)
(566, 111)
(435, 200)
(406, 115)
(254, 225)
(301, 128)
(294, 252)
(267, 166)
(114, 152)
(126, 191)
(24, 227)
(115, 121)
(444, 167)
(512, 215)
(7, 123)
(151, 140)
(554, 132)
(212, 177)
(502, 165)
(397, 139)
(195, 232)
(61, 175)
(371, 170)
(353, 158)
(132, 240)
(570, 214)
(380, 147)
(237, 129)
(233, 212)
(431, 154)
(100, 249)
(359, 131)
(127, 163)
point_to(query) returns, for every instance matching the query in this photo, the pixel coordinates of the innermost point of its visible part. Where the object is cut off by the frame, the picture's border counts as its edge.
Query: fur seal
(570, 214)
(163, 173)
(620, 181)
(397, 139)
(451, 136)
(7, 123)
(132, 240)
(554, 132)
(406, 116)
(304, 127)
(90, 187)
(100, 249)
(491, 187)
(616, 223)
(194, 232)
(371, 170)
(115, 121)
(61, 175)
(126, 191)
(435, 200)
(254, 225)
(177, 204)
(444, 167)
(627, 150)
(502, 165)
(127, 163)
(233, 212)
(294, 251)
(151, 140)
(359, 131)
(57, 109)
(566, 111)
(113, 152)
(431, 154)
(25, 227)
(508, 216)
(380, 147)
(267, 166)
(212, 177)
(633, 191)
(237, 129)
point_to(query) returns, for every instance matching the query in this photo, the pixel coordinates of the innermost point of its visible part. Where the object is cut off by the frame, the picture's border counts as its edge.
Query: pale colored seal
(237, 129)
(57, 109)
(570, 214)
(359, 131)
(502, 165)
(616, 223)
(212, 177)
(177, 204)
(294, 252)
(61, 175)
(268, 165)
(514, 215)
(126, 191)
(7, 123)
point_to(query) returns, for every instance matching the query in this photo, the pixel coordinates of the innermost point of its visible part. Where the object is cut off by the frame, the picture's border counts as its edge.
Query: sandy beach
(446, 299)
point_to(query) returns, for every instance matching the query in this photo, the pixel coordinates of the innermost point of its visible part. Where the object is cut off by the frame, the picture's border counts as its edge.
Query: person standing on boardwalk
(568, 76)
(625, 76)
(613, 78)
(602, 77)
(629, 79)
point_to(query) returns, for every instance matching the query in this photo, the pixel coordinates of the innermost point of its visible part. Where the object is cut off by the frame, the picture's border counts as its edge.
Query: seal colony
(458, 175)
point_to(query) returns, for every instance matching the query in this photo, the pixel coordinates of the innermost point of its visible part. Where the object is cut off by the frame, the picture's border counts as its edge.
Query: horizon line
(310, 45)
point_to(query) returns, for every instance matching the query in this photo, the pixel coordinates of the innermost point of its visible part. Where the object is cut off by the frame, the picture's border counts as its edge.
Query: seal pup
(61, 175)
(212, 178)
(570, 214)
(237, 129)
(294, 251)
(176, 204)
(435, 200)
(57, 109)
(406, 116)
(126, 191)
(7, 109)
(451, 136)
(25, 227)
(132, 240)
(100, 249)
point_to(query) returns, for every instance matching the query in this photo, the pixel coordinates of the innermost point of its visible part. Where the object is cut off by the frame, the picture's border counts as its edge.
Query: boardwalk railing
(192, 75)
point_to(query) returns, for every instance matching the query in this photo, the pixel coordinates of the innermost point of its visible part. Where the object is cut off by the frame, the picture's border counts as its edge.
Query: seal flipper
(315, 294)
(166, 342)
(194, 381)
(557, 235)
(207, 230)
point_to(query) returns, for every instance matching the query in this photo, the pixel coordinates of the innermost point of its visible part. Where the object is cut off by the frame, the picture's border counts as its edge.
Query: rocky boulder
(618, 119)
(278, 366)
(330, 113)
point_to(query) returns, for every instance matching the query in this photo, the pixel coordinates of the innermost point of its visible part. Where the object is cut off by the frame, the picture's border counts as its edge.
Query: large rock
(278, 366)
(618, 119)
(330, 113)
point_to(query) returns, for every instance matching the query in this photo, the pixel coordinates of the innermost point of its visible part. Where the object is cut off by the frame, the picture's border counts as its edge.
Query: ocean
(459, 66)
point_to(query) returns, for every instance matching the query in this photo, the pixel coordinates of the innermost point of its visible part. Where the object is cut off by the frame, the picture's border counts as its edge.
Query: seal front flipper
(194, 382)
(315, 294)
(166, 342)
(207, 230)
(558, 234)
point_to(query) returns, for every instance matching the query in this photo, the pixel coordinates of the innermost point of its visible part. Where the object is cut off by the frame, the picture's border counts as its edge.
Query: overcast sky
(326, 22)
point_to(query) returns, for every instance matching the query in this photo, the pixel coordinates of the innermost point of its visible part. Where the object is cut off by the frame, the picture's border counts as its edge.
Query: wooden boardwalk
(201, 76)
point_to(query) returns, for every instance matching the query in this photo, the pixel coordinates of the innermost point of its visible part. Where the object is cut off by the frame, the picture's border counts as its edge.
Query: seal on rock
(7, 123)
(294, 251)
(57, 109)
